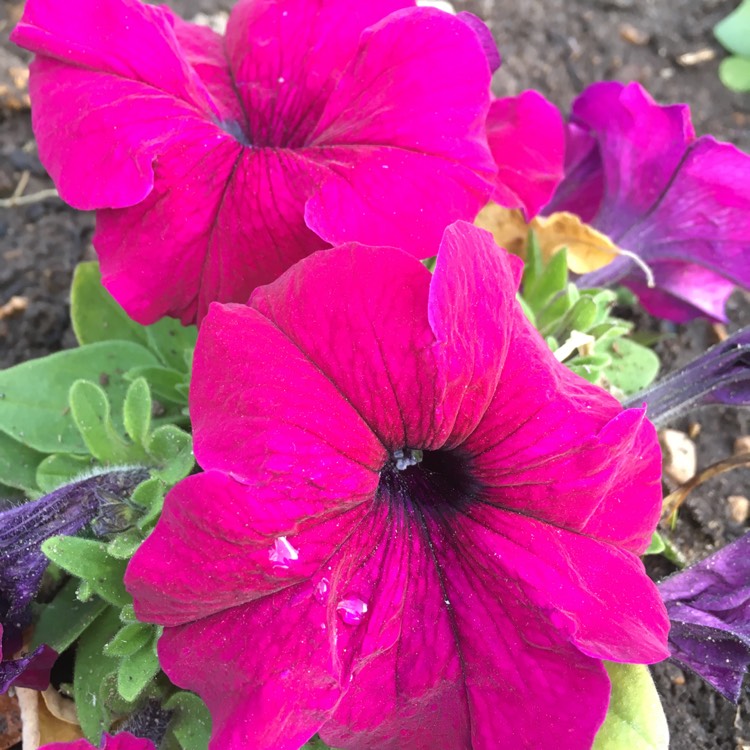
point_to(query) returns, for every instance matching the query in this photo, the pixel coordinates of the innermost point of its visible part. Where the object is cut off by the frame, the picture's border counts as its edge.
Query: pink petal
(260, 405)
(574, 459)
(258, 541)
(287, 57)
(641, 145)
(526, 134)
(475, 659)
(472, 307)
(331, 306)
(204, 50)
(407, 158)
(120, 741)
(264, 669)
(245, 227)
(90, 65)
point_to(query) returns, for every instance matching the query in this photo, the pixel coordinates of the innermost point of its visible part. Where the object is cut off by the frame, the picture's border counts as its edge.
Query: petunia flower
(719, 376)
(216, 162)
(709, 608)
(95, 500)
(526, 134)
(636, 172)
(120, 741)
(414, 528)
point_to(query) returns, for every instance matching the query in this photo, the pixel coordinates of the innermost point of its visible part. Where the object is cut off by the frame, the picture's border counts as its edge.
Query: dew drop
(352, 610)
(283, 553)
(281, 79)
(322, 587)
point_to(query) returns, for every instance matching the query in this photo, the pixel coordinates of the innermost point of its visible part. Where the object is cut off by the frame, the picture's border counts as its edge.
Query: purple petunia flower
(415, 528)
(215, 162)
(636, 172)
(95, 500)
(709, 608)
(120, 741)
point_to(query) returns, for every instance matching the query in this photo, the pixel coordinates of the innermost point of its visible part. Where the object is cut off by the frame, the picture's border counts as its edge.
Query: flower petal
(474, 659)
(472, 310)
(526, 134)
(641, 144)
(245, 227)
(259, 404)
(91, 62)
(344, 311)
(571, 457)
(30, 671)
(287, 56)
(683, 291)
(264, 670)
(220, 544)
(406, 158)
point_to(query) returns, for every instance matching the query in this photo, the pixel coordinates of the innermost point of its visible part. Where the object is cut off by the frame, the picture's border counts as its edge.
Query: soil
(558, 47)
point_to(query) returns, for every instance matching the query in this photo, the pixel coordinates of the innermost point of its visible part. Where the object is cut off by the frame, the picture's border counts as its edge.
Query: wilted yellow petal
(40, 727)
(588, 249)
(508, 227)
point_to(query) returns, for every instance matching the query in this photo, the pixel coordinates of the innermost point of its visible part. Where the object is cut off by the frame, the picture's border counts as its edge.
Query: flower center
(435, 482)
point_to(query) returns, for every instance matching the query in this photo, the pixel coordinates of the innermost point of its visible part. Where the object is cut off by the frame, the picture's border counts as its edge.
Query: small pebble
(742, 444)
(632, 35)
(679, 460)
(739, 508)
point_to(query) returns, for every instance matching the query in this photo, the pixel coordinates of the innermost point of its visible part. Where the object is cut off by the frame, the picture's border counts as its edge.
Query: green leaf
(130, 639)
(95, 314)
(63, 619)
(169, 340)
(92, 668)
(163, 381)
(61, 468)
(138, 669)
(136, 411)
(551, 281)
(172, 449)
(633, 366)
(124, 545)
(734, 31)
(18, 464)
(150, 496)
(315, 744)
(34, 395)
(191, 722)
(89, 407)
(89, 560)
(734, 73)
(657, 546)
(635, 719)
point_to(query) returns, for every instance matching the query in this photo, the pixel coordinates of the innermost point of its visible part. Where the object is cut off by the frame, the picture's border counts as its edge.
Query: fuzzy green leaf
(61, 468)
(635, 719)
(136, 411)
(734, 73)
(63, 619)
(172, 449)
(657, 546)
(124, 545)
(92, 668)
(94, 313)
(633, 366)
(150, 496)
(89, 560)
(138, 669)
(18, 464)
(191, 722)
(163, 381)
(169, 340)
(551, 281)
(734, 31)
(129, 639)
(34, 406)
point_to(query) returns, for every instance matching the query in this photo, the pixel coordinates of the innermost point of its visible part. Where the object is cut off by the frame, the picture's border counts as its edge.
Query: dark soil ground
(558, 47)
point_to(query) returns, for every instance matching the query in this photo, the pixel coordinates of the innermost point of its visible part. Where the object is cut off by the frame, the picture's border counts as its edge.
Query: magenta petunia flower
(526, 134)
(415, 528)
(215, 162)
(636, 171)
(121, 741)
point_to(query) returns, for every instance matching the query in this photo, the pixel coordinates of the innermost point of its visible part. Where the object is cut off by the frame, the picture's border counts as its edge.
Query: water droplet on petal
(352, 610)
(321, 591)
(281, 79)
(283, 553)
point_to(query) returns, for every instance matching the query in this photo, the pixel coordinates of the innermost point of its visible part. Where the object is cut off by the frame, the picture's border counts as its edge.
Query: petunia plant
(329, 467)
